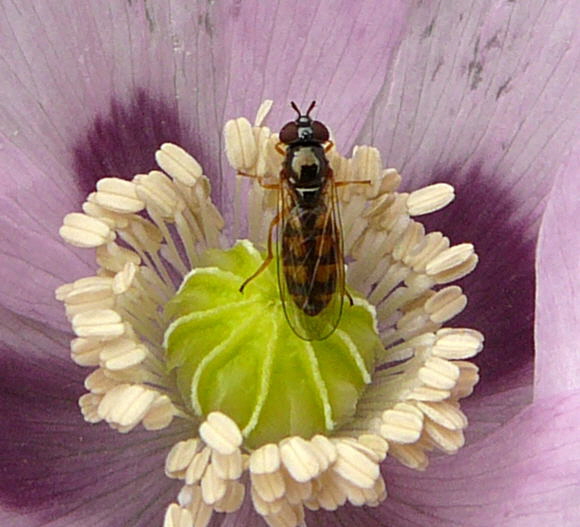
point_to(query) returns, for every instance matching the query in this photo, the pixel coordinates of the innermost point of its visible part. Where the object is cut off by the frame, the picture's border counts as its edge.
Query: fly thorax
(305, 165)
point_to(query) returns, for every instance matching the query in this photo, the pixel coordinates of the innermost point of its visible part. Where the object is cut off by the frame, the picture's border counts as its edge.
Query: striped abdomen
(309, 258)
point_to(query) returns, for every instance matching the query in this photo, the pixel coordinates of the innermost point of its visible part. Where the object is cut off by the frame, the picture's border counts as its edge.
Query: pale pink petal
(558, 296)
(33, 258)
(482, 85)
(86, 91)
(129, 76)
(336, 54)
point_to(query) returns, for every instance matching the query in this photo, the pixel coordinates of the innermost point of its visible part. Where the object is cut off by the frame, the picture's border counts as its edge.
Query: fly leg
(275, 221)
(349, 297)
(352, 182)
(269, 186)
(344, 184)
(270, 255)
(328, 146)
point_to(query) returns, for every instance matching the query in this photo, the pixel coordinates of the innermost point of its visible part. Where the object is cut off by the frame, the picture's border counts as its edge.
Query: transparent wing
(311, 265)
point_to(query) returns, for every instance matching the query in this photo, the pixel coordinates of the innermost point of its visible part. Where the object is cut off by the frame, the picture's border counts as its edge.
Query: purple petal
(53, 465)
(558, 310)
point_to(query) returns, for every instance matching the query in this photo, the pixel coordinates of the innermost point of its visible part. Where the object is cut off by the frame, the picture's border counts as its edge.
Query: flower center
(308, 420)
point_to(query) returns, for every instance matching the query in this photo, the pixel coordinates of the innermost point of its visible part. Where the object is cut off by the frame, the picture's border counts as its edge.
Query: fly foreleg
(269, 186)
(269, 256)
(328, 146)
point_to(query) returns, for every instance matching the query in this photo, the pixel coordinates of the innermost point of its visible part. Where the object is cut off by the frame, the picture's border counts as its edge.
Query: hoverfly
(309, 239)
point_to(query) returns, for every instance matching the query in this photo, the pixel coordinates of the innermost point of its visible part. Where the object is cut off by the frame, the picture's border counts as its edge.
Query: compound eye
(320, 132)
(289, 133)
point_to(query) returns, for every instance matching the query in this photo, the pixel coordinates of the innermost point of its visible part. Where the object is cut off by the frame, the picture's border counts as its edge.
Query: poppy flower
(479, 96)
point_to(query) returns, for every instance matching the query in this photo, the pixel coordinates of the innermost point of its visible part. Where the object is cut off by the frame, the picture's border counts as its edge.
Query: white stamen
(125, 405)
(468, 378)
(85, 352)
(263, 111)
(457, 343)
(299, 458)
(265, 459)
(175, 516)
(89, 404)
(179, 458)
(213, 488)
(412, 236)
(296, 493)
(263, 507)
(429, 199)
(411, 456)
(354, 466)
(97, 382)
(270, 487)
(433, 244)
(286, 516)
(445, 414)
(426, 393)
(391, 179)
(122, 353)
(402, 424)
(124, 279)
(243, 156)
(233, 498)
(200, 511)
(113, 219)
(377, 444)
(324, 450)
(101, 323)
(450, 258)
(366, 164)
(439, 373)
(227, 466)
(221, 433)
(178, 164)
(81, 230)
(449, 441)
(445, 304)
(197, 467)
(159, 193)
(112, 257)
(118, 195)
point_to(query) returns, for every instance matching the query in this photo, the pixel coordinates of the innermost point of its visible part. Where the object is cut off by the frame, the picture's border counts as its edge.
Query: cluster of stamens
(150, 232)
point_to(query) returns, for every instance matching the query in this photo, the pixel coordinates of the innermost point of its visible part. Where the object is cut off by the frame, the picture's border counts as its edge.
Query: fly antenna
(312, 105)
(293, 104)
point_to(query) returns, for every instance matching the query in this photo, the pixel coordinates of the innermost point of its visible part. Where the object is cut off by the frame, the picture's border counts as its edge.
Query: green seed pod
(235, 353)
